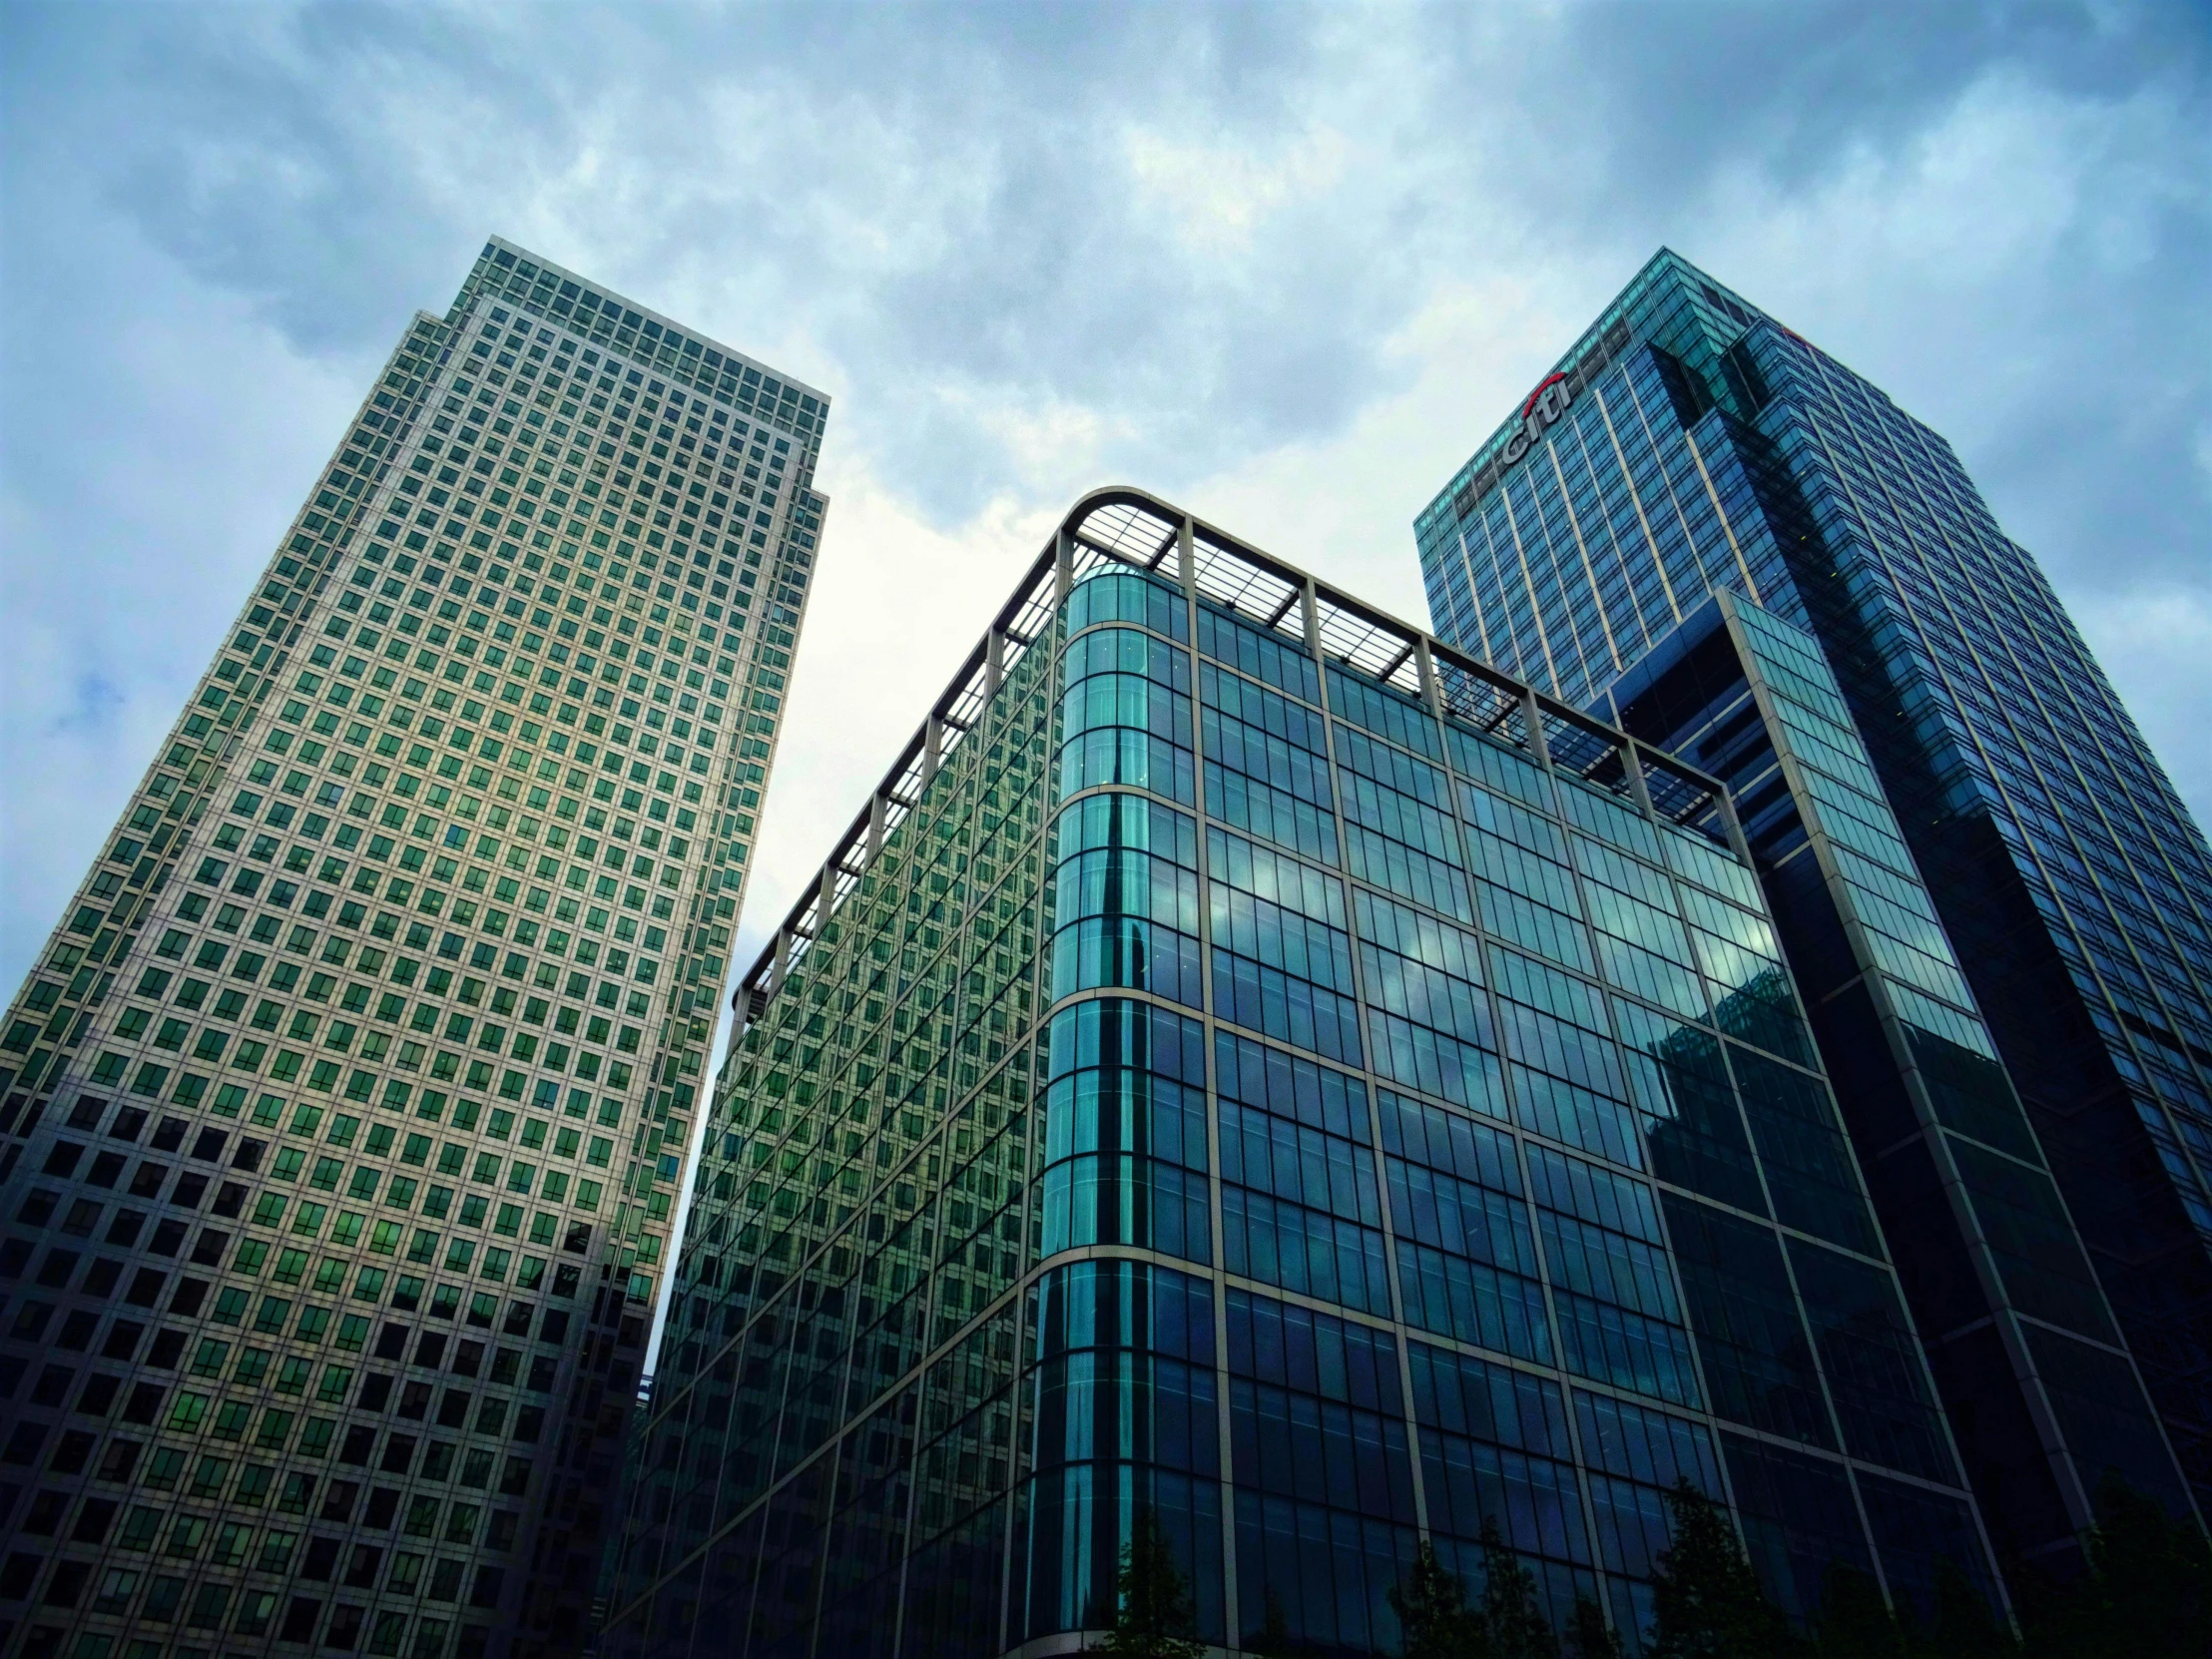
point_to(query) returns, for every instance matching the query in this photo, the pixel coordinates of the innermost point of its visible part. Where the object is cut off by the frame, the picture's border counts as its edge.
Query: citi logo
(1545, 404)
(1544, 407)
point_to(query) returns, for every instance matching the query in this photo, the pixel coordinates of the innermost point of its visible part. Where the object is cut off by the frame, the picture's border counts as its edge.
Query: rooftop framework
(1126, 528)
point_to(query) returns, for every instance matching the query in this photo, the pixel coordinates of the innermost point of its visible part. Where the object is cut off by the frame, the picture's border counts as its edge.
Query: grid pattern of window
(1716, 451)
(345, 1109)
(1365, 1213)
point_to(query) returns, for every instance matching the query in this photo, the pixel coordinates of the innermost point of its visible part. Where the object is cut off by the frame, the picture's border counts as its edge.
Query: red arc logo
(1548, 379)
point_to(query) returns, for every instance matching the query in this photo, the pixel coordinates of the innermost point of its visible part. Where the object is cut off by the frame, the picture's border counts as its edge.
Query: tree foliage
(1511, 1621)
(1588, 1635)
(1434, 1620)
(1855, 1622)
(1708, 1599)
(1508, 1622)
(1275, 1640)
(2145, 1588)
(2144, 1591)
(1154, 1617)
(1965, 1625)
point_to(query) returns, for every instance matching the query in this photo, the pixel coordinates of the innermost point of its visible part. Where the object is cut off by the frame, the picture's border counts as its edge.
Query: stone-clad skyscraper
(341, 1117)
(1711, 532)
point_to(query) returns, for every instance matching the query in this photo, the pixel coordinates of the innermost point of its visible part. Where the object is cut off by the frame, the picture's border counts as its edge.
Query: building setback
(1253, 1061)
(1708, 530)
(341, 1115)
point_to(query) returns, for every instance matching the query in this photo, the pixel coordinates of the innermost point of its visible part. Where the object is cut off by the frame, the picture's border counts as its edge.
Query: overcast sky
(1285, 267)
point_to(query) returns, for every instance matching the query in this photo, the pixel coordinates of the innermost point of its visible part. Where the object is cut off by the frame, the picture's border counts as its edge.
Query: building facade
(1255, 1063)
(1710, 531)
(341, 1115)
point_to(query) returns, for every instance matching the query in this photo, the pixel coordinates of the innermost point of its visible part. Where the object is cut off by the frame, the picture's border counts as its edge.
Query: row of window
(289, 1266)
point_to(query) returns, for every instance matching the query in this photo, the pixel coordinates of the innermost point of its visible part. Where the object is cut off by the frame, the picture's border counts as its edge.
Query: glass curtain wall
(1255, 1065)
(1690, 445)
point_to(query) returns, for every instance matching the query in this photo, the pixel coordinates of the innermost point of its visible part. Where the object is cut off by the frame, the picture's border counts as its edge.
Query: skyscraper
(344, 1108)
(1253, 1062)
(1704, 527)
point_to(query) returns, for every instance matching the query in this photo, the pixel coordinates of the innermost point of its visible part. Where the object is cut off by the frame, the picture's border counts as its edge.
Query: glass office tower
(341, 1115)
(1708, 530)
(1253, 1061)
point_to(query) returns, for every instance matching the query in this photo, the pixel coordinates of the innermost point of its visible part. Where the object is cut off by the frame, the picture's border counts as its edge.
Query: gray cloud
(1291, 261)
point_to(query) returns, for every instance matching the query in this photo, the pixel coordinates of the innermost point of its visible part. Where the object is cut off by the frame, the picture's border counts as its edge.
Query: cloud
(1283, 264)
(1220, 196)
(154, 453)
(906, 604)
(2156, 643)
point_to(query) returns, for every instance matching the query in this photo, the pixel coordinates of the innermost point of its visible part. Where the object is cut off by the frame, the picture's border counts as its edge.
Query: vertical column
(876, 814)
(1398, 1335)
(1632, 764)
(1725, 804)
(1532, 717)
(1432, 693)
(933, 750)
(1465, 832)
(1186, 563)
